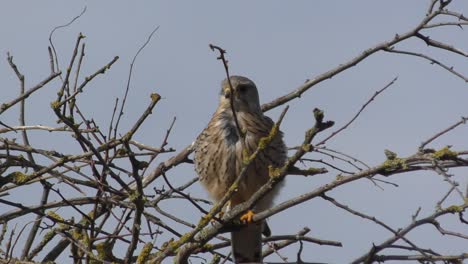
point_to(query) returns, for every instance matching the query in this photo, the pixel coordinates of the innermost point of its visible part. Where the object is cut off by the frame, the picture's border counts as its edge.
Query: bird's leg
(247, 218)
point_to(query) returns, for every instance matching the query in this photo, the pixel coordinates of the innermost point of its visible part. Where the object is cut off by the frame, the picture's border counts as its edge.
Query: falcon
(218, 159)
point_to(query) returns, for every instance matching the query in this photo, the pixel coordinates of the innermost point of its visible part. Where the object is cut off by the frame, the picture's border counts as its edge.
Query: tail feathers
(266, 229)
(247, 243)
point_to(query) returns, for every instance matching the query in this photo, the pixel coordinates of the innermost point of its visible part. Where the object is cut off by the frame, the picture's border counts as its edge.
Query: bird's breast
(228, 131)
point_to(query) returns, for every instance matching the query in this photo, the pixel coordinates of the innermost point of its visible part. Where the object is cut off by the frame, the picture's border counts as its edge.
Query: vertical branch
(45, 194)
(77, 74)
(32, 234)
(52, 51)
(65, 83)
(22, 103)
(137, 199)
(231, 98)
(121, 113)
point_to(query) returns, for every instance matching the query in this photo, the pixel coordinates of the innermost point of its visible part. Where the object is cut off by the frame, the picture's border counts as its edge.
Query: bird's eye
(242, 88)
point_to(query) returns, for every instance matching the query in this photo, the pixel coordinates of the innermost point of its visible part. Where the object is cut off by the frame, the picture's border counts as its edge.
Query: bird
(218, 159)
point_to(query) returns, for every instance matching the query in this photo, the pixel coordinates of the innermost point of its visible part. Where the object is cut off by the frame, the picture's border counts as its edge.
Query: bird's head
(244, 94)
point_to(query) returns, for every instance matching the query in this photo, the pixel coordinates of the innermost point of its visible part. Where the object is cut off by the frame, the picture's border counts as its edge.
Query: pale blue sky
(279, 46)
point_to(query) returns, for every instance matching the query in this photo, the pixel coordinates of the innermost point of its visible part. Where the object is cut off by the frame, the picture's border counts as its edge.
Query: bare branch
(443, 132)
(358, 113)
(130, 71)
(432, 61)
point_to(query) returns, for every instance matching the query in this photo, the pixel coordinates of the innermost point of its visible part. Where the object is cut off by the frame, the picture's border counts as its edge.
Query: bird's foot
(247, 218)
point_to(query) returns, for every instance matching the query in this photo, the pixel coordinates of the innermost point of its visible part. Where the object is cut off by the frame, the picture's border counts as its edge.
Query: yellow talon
(247, 217)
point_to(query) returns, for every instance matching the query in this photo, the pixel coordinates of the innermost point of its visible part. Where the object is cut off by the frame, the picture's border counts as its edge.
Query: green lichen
(55, 216)
(155, 97)
(49, 235)
(264, 141)
(234, 187)
(245, 156)
(173, 245)
(18, 177)
(445, 154)
(104, 252)
(133, 196)
(121, 152)
(91, 215)
(55, 104)
(262, 144)
(391, 165)
(274, 172)
(216, 259)
(64, 226)
(339, 177)
(46, 239)
(311, 132)
(102, 249)
(313, 171)
(307, 147)
(85, 237)
(144, 254)
(393, 162)
(76, 234)
(72, 103)
(4, 230)
(184, 238)
(455, 209)
(208, 247)
(164, 248)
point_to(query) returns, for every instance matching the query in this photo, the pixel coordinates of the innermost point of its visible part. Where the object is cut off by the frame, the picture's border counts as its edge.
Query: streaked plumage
(218, 158)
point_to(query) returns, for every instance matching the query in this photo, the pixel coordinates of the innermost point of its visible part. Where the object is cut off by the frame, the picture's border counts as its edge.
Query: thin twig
(443, 132)
(432, 61)
(358, 113)
(52, 33)
(231, 89)
(127, 89)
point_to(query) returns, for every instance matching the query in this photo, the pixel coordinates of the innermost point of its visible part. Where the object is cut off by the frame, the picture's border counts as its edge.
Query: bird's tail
(247, 243)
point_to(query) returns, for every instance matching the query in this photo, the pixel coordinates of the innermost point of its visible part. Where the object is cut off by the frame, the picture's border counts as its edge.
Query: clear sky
(279, 45)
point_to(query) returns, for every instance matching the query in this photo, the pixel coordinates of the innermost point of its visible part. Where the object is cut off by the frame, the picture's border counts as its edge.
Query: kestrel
(218, 159)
